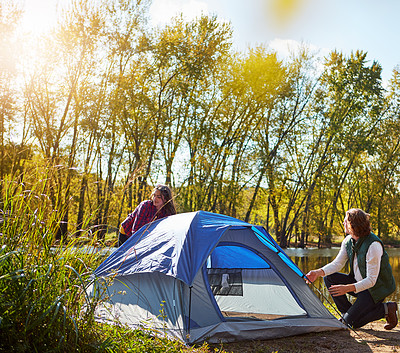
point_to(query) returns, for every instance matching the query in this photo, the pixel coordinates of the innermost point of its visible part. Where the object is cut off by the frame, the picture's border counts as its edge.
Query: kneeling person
(370, 279)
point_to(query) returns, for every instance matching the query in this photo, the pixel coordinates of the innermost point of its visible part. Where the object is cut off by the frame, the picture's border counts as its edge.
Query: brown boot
(391, 316)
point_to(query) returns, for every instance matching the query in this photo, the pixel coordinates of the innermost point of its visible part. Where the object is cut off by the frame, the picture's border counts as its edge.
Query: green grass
(42, 289)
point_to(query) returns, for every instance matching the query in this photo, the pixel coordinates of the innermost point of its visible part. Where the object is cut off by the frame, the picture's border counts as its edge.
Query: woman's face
(346, 225)
(347, 228)
(158, 199)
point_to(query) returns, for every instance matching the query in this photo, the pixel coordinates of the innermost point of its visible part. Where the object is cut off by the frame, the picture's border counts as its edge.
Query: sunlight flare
(40, 15)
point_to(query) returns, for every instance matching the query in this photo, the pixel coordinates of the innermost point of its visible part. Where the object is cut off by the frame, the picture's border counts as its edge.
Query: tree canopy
(104, 106)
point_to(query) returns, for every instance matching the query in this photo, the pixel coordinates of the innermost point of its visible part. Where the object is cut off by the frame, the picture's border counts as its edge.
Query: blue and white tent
(202, 276)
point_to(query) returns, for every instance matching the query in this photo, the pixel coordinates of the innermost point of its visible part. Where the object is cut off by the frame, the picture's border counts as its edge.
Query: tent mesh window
(225, 281)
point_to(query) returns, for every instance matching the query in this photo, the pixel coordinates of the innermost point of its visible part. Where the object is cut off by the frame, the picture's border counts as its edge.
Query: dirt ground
(370, 338)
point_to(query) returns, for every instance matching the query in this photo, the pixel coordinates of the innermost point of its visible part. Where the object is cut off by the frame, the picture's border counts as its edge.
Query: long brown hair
(169, 205)
(359, 222)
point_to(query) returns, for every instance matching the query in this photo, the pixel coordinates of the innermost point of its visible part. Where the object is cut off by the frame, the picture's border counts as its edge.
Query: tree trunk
(253, 199)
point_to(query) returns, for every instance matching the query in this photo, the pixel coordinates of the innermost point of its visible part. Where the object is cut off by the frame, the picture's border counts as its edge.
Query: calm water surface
(310, 259)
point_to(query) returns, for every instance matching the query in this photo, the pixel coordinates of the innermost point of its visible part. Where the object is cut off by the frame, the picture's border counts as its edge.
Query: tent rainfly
(201, 276)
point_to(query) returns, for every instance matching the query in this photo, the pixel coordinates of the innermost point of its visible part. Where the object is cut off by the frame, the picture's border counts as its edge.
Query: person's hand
(313, 275)
(340, 289)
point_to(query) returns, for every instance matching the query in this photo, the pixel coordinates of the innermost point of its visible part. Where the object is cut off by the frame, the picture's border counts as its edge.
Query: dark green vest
(385, 284)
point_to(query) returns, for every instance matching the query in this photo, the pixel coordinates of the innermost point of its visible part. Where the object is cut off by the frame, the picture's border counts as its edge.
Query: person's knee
(347, 319)
(355, 318)
(351, 321)
(336, 278)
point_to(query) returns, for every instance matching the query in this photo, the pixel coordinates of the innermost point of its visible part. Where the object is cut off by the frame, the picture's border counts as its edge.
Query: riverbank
(371, 338)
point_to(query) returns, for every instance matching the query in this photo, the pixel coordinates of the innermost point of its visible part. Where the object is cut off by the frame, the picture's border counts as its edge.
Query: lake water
(310, 259)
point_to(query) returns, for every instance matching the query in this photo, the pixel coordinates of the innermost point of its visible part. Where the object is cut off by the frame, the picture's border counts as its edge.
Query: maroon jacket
(144, 213)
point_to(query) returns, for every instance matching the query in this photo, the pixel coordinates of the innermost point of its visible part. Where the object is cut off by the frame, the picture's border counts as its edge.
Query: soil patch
(370, 338)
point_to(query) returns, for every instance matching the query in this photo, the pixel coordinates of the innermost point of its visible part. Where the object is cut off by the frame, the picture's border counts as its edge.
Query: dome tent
(202, 276)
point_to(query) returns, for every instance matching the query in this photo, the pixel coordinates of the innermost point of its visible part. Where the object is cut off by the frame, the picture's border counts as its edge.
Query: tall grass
(43, 301)
(42, 288)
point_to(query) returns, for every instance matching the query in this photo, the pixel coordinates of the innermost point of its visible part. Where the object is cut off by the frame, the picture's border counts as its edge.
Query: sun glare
(283, 12)
(39, 16)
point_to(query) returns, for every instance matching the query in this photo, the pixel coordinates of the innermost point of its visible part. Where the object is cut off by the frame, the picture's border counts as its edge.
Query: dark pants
(364, 309)
(121, 239)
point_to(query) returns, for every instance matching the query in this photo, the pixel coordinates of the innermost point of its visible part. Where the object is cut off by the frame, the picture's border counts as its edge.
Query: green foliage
(112, 106)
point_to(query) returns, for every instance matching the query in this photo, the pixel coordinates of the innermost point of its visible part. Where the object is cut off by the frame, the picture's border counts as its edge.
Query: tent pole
(190, 307)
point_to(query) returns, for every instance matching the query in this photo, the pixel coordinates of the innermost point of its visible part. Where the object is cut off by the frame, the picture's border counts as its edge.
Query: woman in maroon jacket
(160, 205)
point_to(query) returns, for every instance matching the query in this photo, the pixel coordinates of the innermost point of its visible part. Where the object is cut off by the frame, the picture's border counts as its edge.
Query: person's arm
(129, 223)
(145, 214)
(338, 263)
(334, 266)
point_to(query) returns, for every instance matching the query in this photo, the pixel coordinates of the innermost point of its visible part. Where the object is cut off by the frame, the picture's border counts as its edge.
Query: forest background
(97, 111)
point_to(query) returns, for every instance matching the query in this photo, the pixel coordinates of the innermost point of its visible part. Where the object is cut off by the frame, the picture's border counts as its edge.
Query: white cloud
(286, 47)
(161, 11)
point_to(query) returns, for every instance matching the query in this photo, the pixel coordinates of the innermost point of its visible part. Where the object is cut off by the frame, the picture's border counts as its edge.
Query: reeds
(42, 287)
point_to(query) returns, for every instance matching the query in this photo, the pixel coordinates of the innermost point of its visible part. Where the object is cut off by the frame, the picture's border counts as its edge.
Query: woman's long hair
(359, 222)
(169, 205)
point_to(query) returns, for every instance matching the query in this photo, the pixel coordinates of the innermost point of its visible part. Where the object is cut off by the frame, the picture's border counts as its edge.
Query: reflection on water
(309, 259)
